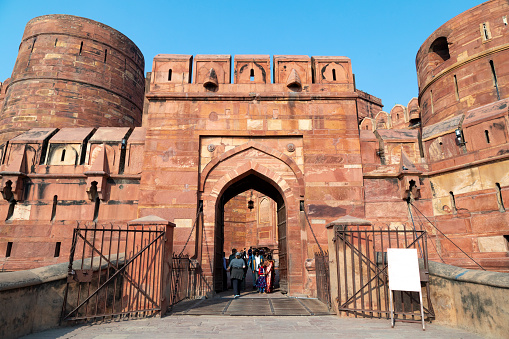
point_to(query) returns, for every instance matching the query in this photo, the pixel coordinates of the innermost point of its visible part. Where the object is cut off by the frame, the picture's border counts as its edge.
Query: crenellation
(252, 69)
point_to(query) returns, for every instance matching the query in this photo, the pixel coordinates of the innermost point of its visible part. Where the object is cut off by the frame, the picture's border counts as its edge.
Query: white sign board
(403, 269)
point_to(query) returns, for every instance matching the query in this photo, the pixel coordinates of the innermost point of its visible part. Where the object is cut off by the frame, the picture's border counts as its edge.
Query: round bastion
(73, 72)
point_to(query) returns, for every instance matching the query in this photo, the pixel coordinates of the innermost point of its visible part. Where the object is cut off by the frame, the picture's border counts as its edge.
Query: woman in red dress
(269, 275)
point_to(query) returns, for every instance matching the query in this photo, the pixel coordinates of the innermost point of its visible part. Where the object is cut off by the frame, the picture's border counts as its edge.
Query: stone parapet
(470, 299)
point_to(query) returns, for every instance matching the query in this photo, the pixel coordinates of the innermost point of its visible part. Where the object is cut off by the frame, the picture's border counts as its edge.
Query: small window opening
(54, 209)
(81, 47)
(485, 31)
(62, 157)
(57, 249)
(397, 116)
(453, 203)
(439, 51)
(500, 201)
(251, 75)
(105, 55)
(33, 46)
(31, 51)
(125, 65)
(504, 20)
(456, 89)
(487, 135)
(333, 75)
(366, 126)
(123, 153)
(96, 208)
(56, 41)
(431, 99)
(8, 250)
(170, 71)
(495, 81)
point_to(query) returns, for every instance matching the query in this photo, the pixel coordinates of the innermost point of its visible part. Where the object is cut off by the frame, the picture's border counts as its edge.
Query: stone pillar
(336, 253)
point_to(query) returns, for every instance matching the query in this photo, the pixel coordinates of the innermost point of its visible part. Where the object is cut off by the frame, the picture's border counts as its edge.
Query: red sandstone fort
(86, 136)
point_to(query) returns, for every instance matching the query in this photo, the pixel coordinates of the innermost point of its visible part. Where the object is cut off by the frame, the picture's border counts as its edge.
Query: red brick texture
(310, 140)
(468, 67)
(71, 72)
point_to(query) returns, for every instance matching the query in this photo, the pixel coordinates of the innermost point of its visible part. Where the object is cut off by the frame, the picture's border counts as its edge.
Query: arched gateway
(294, 139)
(252, 166)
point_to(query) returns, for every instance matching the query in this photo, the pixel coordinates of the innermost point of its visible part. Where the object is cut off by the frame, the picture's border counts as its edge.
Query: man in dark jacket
(236, 268)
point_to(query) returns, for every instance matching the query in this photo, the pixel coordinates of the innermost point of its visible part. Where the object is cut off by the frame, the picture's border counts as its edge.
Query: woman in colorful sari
(269, 277)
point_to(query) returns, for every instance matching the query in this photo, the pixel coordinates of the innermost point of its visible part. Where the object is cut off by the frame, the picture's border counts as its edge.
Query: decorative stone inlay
(290, 147)
(211, 148)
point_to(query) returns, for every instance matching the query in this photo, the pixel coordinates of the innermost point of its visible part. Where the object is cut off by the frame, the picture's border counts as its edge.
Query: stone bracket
(12, 185)
(97, 185)
(409, 185)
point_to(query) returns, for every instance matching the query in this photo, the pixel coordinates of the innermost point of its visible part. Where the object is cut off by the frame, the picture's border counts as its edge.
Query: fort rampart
(73, 72)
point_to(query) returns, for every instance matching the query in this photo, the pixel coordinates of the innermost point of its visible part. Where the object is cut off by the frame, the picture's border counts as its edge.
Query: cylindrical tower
(465, 63)
(73, 71)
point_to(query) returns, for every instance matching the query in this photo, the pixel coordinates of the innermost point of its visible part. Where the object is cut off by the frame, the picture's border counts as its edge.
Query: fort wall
(71, 72)
(309, 140)
(464, 63)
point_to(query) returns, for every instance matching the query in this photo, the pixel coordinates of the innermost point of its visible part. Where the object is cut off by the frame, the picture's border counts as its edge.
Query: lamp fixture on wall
(459, 137)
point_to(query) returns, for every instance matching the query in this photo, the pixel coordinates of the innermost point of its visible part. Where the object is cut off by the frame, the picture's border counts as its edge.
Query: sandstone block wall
(464, 63)
(298, 133)
(52, 179)
(71, 72)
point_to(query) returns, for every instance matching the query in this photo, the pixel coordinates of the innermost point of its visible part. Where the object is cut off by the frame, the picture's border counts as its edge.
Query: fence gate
(362, 272)
(323, 277)
(116, 272)
(186, 279)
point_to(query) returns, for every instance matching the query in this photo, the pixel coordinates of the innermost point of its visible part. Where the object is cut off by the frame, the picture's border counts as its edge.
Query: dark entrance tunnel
(255, 182)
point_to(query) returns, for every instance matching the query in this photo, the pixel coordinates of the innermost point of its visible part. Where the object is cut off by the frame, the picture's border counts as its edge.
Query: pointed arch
(250, 167)
(262, 148)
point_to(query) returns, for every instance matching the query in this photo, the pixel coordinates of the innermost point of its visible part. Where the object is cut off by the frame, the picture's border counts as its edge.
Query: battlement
(211, 72)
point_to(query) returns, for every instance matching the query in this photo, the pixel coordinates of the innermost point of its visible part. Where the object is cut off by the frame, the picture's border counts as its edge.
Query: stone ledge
(41, 275)
(494, 279)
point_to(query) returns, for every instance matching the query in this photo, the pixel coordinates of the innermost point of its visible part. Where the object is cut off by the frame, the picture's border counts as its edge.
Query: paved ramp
(285, 306)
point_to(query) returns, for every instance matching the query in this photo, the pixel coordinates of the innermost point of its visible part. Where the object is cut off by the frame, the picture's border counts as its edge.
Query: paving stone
(207, 326)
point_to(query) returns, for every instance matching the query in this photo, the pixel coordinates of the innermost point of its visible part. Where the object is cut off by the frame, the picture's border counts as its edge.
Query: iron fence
(115, 271)
(323, 277)
(362, 272)
(186, 279)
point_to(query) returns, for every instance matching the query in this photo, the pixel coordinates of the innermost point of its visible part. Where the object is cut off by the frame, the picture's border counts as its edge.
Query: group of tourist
(262, 270)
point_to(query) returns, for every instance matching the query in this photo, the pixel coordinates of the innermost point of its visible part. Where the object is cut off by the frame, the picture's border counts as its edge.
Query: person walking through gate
(230, 258)
(225, 275)
(236, 268)
(269, 277)
(261, 282)
(243, 282)
(254, 263)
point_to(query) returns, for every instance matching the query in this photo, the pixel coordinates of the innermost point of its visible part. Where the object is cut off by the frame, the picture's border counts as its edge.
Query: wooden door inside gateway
(283, 250)
(219, 282)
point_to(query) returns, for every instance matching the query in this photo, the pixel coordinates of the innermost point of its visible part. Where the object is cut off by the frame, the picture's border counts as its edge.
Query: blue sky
(381, 37)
